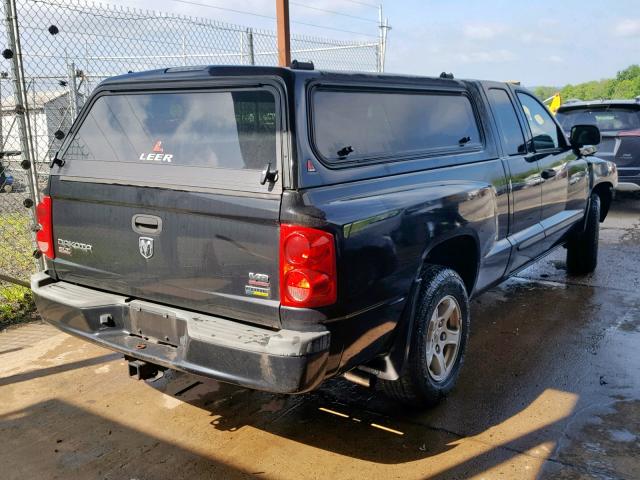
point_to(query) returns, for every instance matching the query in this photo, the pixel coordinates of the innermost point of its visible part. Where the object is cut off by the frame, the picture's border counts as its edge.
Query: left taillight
(307, 267)
(44, 236)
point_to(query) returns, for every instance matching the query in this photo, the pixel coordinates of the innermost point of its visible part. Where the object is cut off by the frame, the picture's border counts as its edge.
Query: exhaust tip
(360, 378)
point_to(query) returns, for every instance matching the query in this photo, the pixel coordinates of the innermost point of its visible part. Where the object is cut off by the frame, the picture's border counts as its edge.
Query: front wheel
(582, 250)
(438, 343)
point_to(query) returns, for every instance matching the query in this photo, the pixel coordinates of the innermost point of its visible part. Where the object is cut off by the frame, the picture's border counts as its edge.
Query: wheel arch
(439, 252)
(460, 251)
(604, 190)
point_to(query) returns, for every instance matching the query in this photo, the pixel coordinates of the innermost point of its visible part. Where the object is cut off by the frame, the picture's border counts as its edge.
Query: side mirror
(582, 135)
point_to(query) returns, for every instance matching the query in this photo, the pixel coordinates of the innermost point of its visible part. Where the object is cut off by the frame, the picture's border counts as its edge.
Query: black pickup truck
(275, 227)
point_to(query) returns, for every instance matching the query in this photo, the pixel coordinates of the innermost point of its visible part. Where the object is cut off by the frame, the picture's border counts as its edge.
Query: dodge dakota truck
(275, 227)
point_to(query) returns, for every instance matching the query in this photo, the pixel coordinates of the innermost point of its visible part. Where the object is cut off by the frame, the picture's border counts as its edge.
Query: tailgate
(160, 199)
(627, 153)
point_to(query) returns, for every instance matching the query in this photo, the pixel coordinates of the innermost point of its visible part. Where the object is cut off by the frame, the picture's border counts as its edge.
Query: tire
(582, 250)
(420, 384)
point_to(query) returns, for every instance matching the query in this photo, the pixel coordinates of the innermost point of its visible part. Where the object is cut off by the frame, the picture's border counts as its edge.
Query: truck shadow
(42, 372)
(512, 398)
(515, 400)
(95, 447)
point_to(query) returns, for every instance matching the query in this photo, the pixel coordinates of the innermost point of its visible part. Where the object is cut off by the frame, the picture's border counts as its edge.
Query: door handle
(146, 224)
(549, 173)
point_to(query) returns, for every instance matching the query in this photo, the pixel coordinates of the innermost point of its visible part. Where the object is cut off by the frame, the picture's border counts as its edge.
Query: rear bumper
(284, 361)
(628, 186)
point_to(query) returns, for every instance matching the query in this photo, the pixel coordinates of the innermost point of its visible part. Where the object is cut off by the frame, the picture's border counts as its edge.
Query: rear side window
(507, 120)
(226, 130)
(362, 126)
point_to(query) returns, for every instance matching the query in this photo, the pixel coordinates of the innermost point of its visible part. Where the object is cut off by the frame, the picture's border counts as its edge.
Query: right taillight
(630, 133)
(44, 236)
(307, 267)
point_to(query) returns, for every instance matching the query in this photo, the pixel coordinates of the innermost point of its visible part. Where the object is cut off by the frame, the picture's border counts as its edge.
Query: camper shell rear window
(221, 138)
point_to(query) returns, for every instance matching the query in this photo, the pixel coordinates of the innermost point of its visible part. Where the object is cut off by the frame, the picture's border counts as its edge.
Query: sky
(546, 42)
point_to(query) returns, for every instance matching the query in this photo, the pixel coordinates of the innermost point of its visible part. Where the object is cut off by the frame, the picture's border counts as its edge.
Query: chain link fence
(57, 53)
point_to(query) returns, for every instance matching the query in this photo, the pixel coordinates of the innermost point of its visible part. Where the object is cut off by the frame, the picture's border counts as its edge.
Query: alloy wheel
(443, 338)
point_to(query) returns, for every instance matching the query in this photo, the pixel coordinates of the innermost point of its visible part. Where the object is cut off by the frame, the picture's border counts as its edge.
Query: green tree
(629, 73)
(545, 92)
(585, 91)
(625, 85)
(628, 88)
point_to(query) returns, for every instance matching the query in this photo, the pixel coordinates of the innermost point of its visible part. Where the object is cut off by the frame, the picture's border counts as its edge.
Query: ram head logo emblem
(146, 247)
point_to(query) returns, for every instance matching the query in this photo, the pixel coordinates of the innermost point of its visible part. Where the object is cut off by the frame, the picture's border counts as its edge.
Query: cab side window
(543, 128)
(360, 126)
(507, 119)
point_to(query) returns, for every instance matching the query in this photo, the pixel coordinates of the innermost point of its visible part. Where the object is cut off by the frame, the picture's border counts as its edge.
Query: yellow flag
(555, 103)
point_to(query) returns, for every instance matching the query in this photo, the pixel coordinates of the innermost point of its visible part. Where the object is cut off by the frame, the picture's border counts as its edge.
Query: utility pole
(252, 58)
(73, 90)
(284, 37)
(383, 25)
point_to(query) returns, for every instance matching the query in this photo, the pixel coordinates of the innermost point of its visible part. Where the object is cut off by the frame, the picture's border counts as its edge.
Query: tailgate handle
(146, 224)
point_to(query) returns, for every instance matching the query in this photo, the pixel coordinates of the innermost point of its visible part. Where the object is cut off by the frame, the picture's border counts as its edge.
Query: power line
(242, 12)
(333, 12)
(335, 29)
(198, 4)
(362, 3)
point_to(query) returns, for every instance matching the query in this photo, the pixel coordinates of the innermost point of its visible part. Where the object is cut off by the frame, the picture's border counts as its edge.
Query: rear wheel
(438, 343)
(582, 250)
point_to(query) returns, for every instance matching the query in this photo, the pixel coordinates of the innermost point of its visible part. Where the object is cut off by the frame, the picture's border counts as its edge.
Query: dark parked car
(7, 181)
(619, 124)
(275, 227)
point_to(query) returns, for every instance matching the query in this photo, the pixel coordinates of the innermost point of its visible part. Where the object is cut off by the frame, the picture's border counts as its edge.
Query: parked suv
(273, 227)
(619, 123)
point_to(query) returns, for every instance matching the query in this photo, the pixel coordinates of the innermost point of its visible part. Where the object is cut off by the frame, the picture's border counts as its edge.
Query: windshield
(606, 119)
(230, 130)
